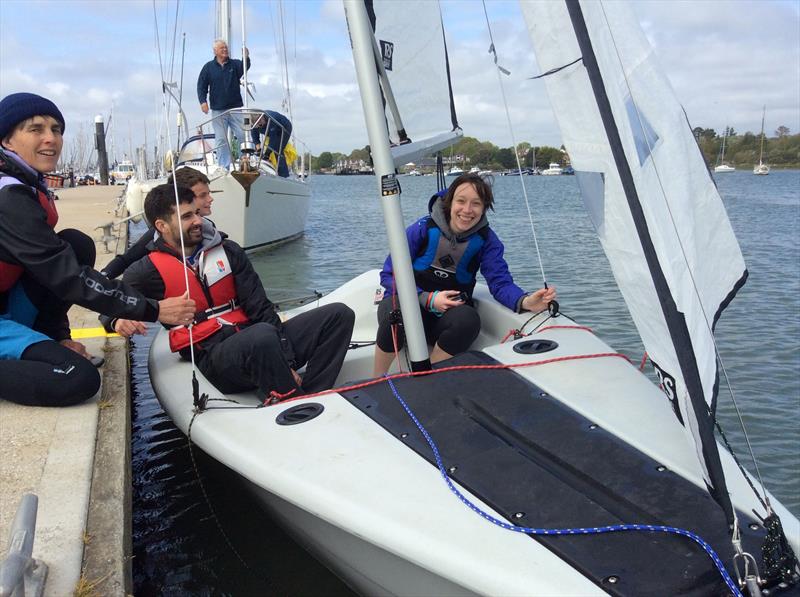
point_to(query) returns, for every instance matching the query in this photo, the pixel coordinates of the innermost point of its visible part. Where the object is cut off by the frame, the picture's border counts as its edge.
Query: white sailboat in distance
(761, 169)
(722, 167)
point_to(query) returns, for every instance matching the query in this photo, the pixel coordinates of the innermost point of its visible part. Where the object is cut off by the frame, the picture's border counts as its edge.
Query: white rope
(683, 253)
(177, 200)
(501, 70)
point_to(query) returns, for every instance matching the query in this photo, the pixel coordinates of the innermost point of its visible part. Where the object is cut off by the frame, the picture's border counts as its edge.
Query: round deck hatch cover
(535, 346)
(299, 414)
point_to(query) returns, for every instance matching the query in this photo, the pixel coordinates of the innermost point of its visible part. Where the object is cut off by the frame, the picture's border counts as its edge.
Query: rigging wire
(500, 69)
(284, 57)
(164, 102)
(180, 92)
(683, 254)
(183, 255)
(174, 40)
(158, 40)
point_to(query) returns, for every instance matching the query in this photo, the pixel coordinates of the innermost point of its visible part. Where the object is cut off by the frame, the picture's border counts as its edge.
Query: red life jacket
(214, 277)
(9, 272)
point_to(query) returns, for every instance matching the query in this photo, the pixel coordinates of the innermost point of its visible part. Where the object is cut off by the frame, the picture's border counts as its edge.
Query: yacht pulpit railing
(268, 145)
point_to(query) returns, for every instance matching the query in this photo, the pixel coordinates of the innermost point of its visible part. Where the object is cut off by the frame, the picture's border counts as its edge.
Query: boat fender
(169, 159)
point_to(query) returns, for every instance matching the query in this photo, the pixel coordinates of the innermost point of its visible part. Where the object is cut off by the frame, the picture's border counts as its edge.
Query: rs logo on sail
(667, 383)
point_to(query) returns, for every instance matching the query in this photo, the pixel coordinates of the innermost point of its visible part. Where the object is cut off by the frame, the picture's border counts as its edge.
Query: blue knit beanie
(17, 107)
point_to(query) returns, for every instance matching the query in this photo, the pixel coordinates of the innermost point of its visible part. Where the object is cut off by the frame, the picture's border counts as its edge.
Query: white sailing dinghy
(576, 457)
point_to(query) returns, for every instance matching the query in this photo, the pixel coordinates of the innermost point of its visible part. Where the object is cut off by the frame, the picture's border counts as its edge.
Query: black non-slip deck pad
(521, 451)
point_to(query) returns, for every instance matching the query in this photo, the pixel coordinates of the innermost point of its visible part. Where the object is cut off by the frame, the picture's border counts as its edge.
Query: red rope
(275, 397)
(508, 335)
(499, 366)
(644, 361)
(394, 327)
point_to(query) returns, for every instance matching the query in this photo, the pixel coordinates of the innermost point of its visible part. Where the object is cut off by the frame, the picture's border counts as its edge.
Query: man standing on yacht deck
(218, 85)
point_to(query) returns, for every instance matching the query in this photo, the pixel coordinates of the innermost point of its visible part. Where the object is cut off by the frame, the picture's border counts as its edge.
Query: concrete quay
(77, 459)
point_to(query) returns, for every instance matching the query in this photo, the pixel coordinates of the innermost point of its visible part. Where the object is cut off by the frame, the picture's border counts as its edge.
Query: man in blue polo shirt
(218, 85)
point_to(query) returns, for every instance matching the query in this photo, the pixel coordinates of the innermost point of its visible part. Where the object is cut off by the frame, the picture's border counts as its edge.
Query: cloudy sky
(725, 59)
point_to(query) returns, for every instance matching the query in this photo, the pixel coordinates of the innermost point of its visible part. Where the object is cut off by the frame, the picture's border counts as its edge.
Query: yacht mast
(223, 28)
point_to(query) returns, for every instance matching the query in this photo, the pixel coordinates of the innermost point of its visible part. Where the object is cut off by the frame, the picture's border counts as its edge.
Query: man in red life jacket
(42, 273)
(240, 342)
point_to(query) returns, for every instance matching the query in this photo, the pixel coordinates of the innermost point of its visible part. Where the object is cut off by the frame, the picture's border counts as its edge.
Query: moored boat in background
(722, 167)
(553, 170)
(761, 168)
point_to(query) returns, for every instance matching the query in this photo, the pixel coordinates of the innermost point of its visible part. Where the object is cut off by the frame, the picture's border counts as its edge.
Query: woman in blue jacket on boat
(448, 247)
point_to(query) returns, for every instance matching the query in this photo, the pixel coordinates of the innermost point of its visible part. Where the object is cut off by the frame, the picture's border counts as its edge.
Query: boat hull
(273, 210)
(380, 516)
(349, 556)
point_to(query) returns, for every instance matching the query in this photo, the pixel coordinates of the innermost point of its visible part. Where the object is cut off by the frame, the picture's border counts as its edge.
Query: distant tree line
(483, 154)
(782, 150)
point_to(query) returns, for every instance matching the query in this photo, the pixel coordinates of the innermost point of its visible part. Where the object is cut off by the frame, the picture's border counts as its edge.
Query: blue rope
(577, 531)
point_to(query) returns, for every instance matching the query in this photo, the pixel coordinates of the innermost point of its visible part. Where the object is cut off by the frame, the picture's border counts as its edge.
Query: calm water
(178, 547)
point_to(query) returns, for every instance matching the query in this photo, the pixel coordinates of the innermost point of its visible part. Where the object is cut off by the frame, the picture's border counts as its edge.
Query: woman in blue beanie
(42, 273)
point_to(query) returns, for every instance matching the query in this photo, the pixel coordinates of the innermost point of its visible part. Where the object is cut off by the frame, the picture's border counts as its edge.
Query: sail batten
(656, 210)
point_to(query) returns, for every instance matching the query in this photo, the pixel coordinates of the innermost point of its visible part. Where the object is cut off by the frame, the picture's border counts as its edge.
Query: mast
(223, 26)
(761, 153)
(724, 136)
(363, 55)
(246, 145)
(675, 320)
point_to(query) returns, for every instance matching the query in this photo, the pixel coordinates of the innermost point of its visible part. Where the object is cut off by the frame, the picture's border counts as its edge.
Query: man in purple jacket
(218, 85)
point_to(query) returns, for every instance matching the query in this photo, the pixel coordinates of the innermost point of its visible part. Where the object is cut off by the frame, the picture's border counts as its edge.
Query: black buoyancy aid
(9, 272)
(212, 288)
(446, 265)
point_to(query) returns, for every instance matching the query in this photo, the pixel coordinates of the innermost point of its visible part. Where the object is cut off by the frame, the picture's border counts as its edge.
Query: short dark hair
(188, 177)
(483, 187)
(160, 202)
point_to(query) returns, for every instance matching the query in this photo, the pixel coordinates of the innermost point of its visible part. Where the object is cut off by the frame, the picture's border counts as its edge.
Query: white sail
(656, 209)
(411, 43)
